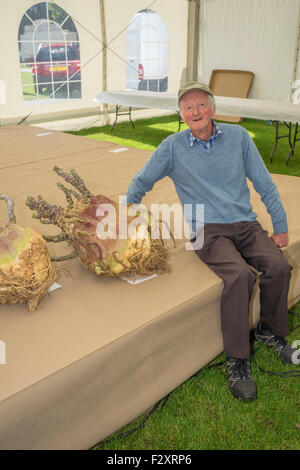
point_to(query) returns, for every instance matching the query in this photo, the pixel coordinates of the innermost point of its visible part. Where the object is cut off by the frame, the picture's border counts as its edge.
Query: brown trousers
(228, 250)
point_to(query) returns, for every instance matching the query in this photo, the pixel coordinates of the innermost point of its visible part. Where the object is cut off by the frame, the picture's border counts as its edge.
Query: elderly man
(209, 164)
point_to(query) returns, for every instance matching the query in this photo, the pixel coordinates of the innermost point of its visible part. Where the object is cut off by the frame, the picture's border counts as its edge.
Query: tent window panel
(57, 52)
(56, 14)
(28, 94)
(56, 33)
(37, 12)
(70, 29)
(61, 90)
(25, 29)
(147, 52)
(49, 46)
(26, 52)
(41, 32)
(27, 82)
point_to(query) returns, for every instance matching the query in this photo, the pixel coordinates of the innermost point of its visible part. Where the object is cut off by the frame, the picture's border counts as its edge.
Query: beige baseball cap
(193, 86)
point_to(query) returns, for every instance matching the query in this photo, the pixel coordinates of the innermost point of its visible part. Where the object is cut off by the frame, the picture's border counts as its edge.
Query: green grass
(201, 413)
(29, 93)
(149, 133)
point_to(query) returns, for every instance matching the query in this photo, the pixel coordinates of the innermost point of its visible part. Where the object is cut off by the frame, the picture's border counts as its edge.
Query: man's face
(196, 112)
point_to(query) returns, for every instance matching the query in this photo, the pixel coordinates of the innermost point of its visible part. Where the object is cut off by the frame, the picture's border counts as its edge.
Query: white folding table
(273, 111)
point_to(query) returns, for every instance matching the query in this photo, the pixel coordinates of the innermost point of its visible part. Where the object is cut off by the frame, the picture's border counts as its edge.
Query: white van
(147, 53)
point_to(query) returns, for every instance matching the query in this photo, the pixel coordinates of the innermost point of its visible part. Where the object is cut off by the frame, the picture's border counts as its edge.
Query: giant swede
(80, 224)
(26, 271)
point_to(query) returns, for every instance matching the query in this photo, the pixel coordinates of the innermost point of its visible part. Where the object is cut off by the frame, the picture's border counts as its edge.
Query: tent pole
(104, 58)
(192, 39)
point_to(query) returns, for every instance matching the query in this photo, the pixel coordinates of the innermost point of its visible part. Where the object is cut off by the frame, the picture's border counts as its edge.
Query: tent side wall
(258, 35)
(88, 24)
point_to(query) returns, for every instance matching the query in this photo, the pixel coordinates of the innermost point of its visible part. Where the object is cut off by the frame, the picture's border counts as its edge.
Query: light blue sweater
(215, 177)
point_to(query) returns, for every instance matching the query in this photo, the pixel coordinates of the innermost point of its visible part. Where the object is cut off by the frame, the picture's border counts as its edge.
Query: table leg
(277, 137)
(179, 121)
(276, 140)
(292, 152)
(118, 113)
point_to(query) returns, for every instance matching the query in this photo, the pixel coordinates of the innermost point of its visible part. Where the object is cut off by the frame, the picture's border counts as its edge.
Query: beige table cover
(99, 352)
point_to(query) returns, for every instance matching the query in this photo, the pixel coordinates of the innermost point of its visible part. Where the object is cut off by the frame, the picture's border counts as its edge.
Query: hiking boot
(240, 381)
(278, 344)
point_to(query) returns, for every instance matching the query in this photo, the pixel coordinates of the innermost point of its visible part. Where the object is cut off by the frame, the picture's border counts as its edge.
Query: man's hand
(280, 239)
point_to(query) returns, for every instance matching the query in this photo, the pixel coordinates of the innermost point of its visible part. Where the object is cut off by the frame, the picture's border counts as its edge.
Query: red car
(59, 62)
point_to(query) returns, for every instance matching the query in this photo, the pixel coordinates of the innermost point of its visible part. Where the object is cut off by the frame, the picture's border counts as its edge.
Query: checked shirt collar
(207, 144)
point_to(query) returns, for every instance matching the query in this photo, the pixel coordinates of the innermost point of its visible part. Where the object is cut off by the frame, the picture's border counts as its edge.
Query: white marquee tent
(261, 36)
(99, 352)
